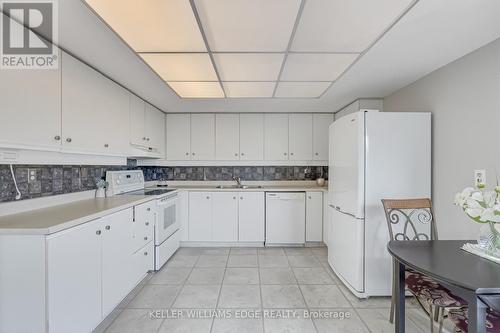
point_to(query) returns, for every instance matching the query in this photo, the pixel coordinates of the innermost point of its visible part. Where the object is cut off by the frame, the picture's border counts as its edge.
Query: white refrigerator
(373, 155)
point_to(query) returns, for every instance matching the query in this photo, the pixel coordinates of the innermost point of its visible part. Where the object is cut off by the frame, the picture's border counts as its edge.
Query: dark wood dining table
(475, 279)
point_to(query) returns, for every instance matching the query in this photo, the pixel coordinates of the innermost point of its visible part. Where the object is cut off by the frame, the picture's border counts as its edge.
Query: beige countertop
(56, 218)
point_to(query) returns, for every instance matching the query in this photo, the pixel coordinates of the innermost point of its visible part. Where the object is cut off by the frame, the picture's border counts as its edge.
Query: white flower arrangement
(101, 183)
(480, 205)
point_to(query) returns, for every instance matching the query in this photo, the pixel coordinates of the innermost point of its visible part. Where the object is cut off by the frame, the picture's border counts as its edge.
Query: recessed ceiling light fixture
(249, 48)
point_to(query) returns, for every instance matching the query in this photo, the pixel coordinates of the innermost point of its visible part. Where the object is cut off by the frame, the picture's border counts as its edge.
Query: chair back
(410, 219)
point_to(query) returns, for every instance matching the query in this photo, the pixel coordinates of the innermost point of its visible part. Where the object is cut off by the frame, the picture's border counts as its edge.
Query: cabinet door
(225, 216)
(276, 137)
(94, 111)
(314, 216)
(227, 137)
(251, 217)
(202, 137)
(30, 114)
(200, 216)
(143, 225)
(321, 123)
(300, 137)
(155, 129)
(74, 279)
(183, 209)
(137, 118)
(178, 137)
(117, 247)
(251, 137)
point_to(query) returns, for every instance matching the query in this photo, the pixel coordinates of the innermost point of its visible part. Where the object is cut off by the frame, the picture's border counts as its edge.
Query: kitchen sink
(241, 187)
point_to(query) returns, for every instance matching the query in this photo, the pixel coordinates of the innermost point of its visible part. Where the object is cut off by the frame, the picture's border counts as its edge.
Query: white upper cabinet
(203, 137)
(155, 129)
(95, 111)
(30, 114)
(137, 119)
(227, 137)
(276, 137)
(300, 137)
(178, 135)
(251, 137)
(321, 123)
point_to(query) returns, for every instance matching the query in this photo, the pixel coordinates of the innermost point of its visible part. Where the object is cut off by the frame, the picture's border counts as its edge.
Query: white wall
(464, 98)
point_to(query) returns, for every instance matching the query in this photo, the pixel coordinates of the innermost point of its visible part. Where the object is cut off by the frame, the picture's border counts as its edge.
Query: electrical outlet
(479, 177)
(32, 175)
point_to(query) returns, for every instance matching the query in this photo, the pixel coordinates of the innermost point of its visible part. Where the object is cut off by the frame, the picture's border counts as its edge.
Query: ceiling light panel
(249, 89)
(153, 25)
(316, 67)
(301, 89)
(249, 66)
(182, 66)
(248, 25)
(197, 89)
(344, 25)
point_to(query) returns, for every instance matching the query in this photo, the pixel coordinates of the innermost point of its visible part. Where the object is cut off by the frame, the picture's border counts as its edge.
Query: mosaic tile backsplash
(59, 179)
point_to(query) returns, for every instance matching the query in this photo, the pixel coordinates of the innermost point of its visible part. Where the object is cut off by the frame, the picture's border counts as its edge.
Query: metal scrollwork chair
(413, 220)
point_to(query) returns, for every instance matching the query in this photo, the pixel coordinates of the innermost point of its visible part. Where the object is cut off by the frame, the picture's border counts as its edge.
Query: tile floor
(251, 290)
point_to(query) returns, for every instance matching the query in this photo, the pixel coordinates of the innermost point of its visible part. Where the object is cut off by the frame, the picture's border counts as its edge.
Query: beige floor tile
(237, 326)
(340, 321)
(244, 260)
(197, 297)
(282, 296)
(304, 261)
(277, 276)
(207, 260)
(155, 297)
(134, 321)
(378, 321)
(290, 325)
(239, 296)
(268, 261)
(324, 296)
(270, 251)
(312, 275)
(243, 250)
(170, 275)
(185, 326)
(206, 276)
(241, 276)
(182, 261)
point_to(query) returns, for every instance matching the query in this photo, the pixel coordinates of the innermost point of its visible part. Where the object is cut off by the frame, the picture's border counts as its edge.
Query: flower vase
(100, 192)
(495, 238)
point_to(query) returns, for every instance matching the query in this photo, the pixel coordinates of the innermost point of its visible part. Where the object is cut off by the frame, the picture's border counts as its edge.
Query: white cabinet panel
(31, 108)
(321, 123)
(178, 137)
(300, 137)
(155, 129)
(251, 217)
(203, 137)
(276, 137)
(74, 280)
(200, 216)
(183, 209)
(143, 225)
(227, 137)
(137, 126)
(116, 251)
(225, 216)
(95, 111)
(314, 216)
(251, 137)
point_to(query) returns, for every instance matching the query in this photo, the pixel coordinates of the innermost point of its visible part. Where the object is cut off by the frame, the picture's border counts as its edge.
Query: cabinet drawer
(142, 262)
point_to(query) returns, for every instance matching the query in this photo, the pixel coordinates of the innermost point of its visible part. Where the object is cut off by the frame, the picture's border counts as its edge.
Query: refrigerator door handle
(337, 208)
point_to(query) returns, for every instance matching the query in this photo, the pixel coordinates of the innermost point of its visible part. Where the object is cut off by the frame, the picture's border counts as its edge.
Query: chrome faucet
(237, 180)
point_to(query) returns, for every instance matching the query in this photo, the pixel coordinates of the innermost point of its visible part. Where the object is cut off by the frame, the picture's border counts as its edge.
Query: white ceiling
(251, 40)
(432, 34)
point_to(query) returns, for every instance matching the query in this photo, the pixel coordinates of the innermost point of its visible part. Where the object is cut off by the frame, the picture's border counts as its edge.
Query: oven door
(167, 222)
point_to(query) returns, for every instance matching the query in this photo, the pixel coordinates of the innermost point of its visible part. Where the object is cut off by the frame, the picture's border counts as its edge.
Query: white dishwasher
(285, 218)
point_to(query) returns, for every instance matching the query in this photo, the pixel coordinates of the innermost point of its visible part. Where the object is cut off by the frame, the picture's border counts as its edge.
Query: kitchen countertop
(55, 218)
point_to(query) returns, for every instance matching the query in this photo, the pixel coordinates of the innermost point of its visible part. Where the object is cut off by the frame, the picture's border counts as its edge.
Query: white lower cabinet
(74, 279)
(314, 216)
(226, 216)
(251, 217)
(71, 280)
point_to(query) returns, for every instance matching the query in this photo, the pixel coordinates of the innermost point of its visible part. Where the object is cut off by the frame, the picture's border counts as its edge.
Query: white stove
(166, 235)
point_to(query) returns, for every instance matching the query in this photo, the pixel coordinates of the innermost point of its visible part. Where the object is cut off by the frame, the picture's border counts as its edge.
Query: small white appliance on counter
(166, 224)
(285, 218)
(373, 155)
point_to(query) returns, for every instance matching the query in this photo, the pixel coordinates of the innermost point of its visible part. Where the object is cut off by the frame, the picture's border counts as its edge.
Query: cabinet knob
(242, 154)
(235, 154)
(108, 227)
(57, 137)
(193, 154)
(144, 138)
(234, 198)
(145, 238)
(148, 209)
(98, 232)
(106, 145)
(187, 154)
(147, 139)
(241, 198)
(147, 223)
(291, 154)
(309, 197)
(316, 154)
(145, 253)
(284, 154)
(208, 197)
(68, 140)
